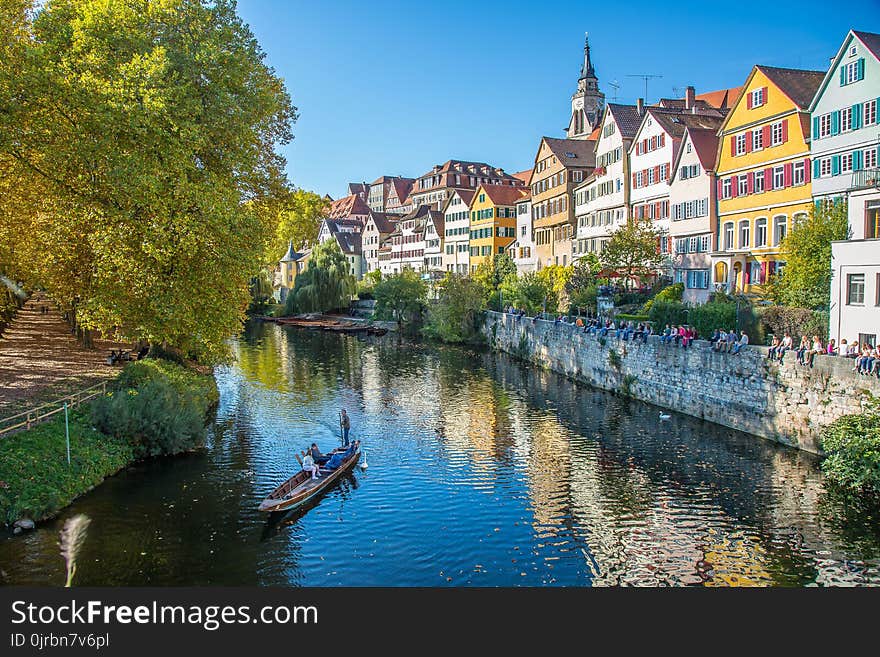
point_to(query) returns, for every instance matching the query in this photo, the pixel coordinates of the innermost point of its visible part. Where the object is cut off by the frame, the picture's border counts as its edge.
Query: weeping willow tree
(325, 285)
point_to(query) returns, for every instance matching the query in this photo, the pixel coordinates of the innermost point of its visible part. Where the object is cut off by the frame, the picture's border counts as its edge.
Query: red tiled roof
(525, 176)
(503, 195)
(348, 206)
(594, 136)
(706, 144)
(799, 85)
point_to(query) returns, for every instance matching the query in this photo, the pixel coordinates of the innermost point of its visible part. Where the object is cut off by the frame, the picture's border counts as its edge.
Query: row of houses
(722, 175)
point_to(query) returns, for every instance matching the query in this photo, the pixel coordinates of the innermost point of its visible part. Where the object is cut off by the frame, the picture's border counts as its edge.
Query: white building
(378, 229)
(602, 201)
(434, 243)
(522, 251)
(693, 213)
(844, 112)
(457, 223)
(845, 149)
(407, 243)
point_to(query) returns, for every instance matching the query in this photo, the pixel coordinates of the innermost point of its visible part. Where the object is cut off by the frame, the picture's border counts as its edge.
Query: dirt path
(40, 360)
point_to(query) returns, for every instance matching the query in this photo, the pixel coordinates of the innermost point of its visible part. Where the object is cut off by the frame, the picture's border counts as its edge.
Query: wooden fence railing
(27, 419)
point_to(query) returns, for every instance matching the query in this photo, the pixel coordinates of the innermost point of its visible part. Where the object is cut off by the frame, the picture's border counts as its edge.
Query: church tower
(587, 103)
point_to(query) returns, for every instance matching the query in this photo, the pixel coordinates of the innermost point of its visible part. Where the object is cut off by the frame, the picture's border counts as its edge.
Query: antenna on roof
(677, 91)
(614, 84)
(645, 77)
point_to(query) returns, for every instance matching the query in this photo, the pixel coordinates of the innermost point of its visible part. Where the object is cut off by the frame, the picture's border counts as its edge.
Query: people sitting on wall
(802, 350)
(815, 349)
(741, 344)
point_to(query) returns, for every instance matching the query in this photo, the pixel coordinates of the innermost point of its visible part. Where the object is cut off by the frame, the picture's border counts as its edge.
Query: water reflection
(482, 472)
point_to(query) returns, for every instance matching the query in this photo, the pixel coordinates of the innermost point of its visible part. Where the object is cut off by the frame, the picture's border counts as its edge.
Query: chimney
(640, 106)
(690, 97)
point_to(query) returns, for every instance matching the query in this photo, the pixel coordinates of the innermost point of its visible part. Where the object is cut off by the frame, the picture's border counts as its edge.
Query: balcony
(865, 179)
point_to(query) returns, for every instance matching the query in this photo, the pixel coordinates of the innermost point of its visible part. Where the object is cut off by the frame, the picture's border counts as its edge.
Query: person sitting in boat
(309, 465)
(319, 458)
(341, 457)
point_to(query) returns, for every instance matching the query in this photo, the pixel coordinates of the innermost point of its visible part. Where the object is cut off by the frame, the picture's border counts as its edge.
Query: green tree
(582, 287)
(454, 317)
(632, 252)
(530, 292)
(556, 278)
(806, 279)
(491, 273)
(401, 297)
(325, 285)
(297, 218)
(150, 135)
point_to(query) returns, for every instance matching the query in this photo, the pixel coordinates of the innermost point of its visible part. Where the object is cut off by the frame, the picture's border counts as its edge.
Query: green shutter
(857, 116)
(835, 122)
(857, 160)
(816, 168)
(860, 69)
(815, 127)
(835, 165)
(842, 75)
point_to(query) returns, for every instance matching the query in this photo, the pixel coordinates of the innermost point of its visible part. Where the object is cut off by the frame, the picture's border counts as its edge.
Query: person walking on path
(345, 423)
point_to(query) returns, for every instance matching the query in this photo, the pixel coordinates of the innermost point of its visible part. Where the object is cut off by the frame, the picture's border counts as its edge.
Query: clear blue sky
(388, 87)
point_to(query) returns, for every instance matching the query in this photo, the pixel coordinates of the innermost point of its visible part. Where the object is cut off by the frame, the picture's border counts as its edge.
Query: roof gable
(869, 40)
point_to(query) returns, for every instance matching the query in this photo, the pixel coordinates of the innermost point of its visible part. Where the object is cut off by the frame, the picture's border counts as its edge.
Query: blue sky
(387, 87)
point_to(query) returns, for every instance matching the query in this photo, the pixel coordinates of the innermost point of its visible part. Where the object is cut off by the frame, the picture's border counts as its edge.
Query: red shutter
(749, 140)
(634, 180)
(768, 179)
(750, 182)
(657, 173)
(764, 96)
(787, 174)
(749, 100)
(734, 186)
(662, 140)
(733, 145)
(763, 273)
(766, 136)
(720, 189)
(784, 130)
(807, 170)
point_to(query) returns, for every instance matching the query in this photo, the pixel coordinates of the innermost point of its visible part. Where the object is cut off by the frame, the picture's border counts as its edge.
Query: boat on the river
(318, 322)
(301, 487)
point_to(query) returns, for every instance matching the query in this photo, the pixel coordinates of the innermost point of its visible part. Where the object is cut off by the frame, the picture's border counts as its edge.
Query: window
(705, 243)
(777, 133)
(740, 147)
(872, 221)
(744, 233)
(742, 186)
(698, 279)
(693, 244)
(689, 147)
(825, 167)
(869, 158)
(757, 140)
(855, 289)
(728, 236)
(798, 173)
(846, 116)
(852, 72)
(726, 187)
(780, 226)
(651, 176)
(825, 125)
(758, 97)
(846, 163)
(779, 177)
(761, 232)
(870, 112)
(758, 185)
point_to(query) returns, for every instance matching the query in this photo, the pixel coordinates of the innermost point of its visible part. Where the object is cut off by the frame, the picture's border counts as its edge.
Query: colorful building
(457, 231)
(763, 174)
(492, 221)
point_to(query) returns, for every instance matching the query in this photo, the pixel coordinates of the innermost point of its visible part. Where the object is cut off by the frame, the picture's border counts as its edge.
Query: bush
(668, 294)
(713, 315)
(626, 317)
(667, 312)
(852, 445)
(158, 407)
(780, 320)
(455, 315)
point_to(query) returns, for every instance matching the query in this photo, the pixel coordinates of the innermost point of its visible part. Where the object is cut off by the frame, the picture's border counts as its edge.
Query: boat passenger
(310, 466)
(319, 458)
(340, 457)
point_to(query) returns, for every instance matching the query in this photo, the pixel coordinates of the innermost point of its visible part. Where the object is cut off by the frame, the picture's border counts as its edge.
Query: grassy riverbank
(154, 408)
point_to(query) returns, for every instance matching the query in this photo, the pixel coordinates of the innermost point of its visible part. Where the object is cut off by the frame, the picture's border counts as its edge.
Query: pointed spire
(587, 71)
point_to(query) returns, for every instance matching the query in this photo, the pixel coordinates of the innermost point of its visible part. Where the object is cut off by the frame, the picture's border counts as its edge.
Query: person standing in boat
(345, 422)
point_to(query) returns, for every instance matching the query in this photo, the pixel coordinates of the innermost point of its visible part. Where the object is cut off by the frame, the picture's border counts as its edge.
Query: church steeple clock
(588, 102)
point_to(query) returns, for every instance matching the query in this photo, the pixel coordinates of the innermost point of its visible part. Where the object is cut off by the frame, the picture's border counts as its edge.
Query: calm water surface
(481, 472)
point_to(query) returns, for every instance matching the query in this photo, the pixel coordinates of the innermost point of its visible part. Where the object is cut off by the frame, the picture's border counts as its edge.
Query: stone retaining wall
(788, 403)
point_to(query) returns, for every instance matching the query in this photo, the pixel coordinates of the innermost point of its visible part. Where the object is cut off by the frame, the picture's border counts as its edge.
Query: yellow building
(289, 266)
(763, 174)
(493, 221)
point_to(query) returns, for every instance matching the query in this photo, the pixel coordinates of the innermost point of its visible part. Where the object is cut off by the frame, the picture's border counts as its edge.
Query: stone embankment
(788, 403)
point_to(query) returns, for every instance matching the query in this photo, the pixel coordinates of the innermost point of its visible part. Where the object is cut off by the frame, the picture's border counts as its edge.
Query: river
(481, 471)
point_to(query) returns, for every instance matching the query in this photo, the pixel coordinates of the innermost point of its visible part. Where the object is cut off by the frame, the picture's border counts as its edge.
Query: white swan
(664, 416)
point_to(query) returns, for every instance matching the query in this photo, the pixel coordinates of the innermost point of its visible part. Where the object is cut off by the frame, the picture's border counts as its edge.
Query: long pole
(67, 433)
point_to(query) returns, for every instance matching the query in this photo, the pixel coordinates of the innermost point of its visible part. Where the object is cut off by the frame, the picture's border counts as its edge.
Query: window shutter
(768, 179)
(816, 127)
(857, 160)
(815, 168)
(807, 170)
(662, 140)
(733, 145)
(860, 69)
(835, 165)
(784, 130)
(634, 180)
(857, 116)
(842, 75)
(734, 186)
(749, 141)
(786, 174)
(764, 95)
(657, 174)
(766, 136)
(763, 273)
(835, 122)
(749, 100)
(750, 182)
(720, 189)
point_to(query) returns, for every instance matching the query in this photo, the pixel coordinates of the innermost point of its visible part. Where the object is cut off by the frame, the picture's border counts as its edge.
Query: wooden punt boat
(301, 487)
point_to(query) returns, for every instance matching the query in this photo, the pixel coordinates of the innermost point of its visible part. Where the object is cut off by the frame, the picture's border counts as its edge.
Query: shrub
(158, 407)
(454, 317)
(780, 320)
(627, 317)
(708, 317)
(852, 445)
(669, 293)
(614, 359)
(667, 312)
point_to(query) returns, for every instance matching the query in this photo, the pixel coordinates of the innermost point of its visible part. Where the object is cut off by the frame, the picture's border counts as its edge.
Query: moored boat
(301, 487)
